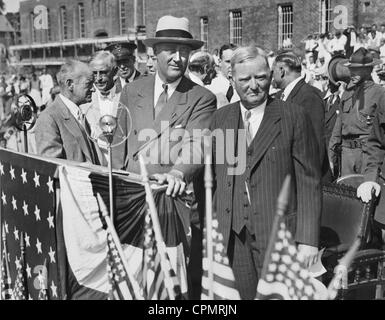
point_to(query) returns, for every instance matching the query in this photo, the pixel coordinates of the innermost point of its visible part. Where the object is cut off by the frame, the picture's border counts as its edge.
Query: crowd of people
(297, 119)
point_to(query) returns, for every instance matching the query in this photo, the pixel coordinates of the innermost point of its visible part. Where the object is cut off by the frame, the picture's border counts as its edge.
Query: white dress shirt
(158, 89)
(106, 102)
(255, 118)
(72, 107)
(290, 88)
(219, 86)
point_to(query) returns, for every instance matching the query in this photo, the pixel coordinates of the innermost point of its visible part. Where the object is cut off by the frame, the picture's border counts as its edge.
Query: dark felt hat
(362, 58)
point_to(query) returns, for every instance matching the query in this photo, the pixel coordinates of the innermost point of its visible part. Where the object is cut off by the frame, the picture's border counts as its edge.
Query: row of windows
(285, 24)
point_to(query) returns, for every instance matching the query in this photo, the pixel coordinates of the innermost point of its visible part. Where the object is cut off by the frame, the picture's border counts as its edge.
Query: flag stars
(17, 263)
(53, 289)
(50, 221)
(16, 233)
(4, 198)
(38, 246)
(1, 169)
(23, 176)
(37, 213)
(28, 269)
(12, 173)
(25, 208)
(36, 179)
(52, 255)
(50, 185)
(26, 238)
(14, 204)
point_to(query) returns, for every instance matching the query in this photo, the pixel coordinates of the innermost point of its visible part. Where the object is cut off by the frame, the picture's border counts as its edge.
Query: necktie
(246, 124)
(162, 101)
(127, 80)
(283, 96)
(230, 93)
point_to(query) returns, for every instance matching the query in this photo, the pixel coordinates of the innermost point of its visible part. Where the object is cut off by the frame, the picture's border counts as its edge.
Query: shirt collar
(171, 86)
(110, 96)
(72, 107)
(257, 110)
(290, 87)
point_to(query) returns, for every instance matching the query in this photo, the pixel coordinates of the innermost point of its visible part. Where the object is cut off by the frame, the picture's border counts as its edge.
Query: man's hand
(309, 253)
(175, 181)
(364, 191)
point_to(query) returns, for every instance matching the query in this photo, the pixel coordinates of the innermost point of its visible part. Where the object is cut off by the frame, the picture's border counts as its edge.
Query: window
(122, 9)
(285, 26)
(236, 27)
(82, 26)
(205, 32)
(63, 23)
(32, 28)
(325, 16)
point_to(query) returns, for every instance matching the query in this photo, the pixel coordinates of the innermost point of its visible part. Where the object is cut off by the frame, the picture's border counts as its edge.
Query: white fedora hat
(174, 30)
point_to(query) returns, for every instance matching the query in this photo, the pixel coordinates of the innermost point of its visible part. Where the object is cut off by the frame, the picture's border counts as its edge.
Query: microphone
(108, 124)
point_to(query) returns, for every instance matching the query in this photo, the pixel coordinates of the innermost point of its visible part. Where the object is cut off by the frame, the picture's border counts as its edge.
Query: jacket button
(135, 132)
(135, 158)
(227, 210)
(249, 152)
(229, 183)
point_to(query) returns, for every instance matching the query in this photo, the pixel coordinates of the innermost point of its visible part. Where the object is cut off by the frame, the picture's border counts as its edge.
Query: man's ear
(283, 72)
(69, 84)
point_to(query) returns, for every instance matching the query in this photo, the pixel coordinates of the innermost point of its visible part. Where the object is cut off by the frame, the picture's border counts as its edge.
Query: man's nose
(253, 84)
(177, 56)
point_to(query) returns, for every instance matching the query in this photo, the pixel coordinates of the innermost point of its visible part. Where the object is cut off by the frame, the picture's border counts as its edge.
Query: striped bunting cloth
(224, 287)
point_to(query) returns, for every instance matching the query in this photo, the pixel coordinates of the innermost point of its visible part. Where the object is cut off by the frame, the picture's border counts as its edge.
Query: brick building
(79, 27)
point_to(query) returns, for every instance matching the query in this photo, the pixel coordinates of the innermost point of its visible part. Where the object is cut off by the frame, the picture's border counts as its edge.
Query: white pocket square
(178, 126)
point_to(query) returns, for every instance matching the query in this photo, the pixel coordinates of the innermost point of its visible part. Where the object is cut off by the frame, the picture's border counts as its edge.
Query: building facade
(76, 28)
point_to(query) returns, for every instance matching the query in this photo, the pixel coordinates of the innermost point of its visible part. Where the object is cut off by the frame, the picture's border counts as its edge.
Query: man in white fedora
(166, 108)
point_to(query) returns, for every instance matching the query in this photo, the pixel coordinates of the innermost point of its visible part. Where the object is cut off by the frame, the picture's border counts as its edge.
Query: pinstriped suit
(284, 144)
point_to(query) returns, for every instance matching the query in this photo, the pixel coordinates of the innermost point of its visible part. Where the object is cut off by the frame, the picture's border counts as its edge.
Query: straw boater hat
(174, 30)
(362, 58)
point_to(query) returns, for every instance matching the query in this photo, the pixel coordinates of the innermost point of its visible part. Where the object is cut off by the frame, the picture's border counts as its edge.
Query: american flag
(27, 199)
(20, 290)
(121, 287)
(223, 285)
(286, 277)
(6, 284)
(155, 279)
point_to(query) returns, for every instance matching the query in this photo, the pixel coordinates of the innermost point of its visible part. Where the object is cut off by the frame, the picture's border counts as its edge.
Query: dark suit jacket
(284, 144)
(119, 84)
(190, 107)
(311, 100)
(58, 135)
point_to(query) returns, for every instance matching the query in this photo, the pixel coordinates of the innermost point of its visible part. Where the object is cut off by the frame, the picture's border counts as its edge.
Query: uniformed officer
(358, 107)
(124, 53)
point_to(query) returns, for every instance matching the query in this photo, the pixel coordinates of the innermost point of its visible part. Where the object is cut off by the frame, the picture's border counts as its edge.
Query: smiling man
(61, 130)
(168, 100)
(279, 142)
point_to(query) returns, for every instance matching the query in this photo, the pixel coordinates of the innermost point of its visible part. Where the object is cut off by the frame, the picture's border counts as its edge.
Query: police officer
(358, 107)
(124, 53)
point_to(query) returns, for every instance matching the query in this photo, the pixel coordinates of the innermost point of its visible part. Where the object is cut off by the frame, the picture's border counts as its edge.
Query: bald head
(75, 79)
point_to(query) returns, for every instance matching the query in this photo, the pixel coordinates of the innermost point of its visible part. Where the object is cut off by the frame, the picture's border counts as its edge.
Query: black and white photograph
(201, 151)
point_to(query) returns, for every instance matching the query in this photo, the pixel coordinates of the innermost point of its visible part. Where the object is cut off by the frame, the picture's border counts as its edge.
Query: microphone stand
(108, 125)
(25, 130)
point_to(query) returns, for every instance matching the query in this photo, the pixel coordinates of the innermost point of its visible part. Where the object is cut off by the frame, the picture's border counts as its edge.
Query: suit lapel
(73, 128)
(267, 131)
